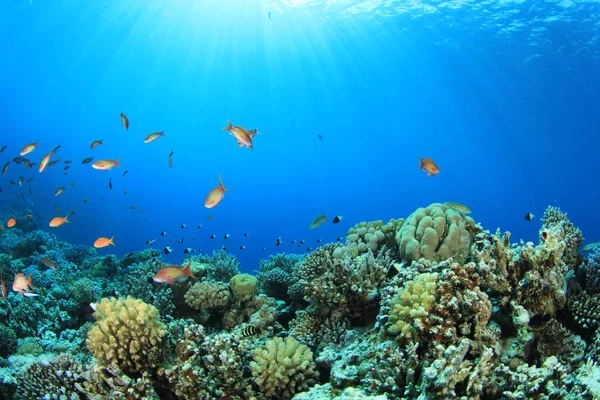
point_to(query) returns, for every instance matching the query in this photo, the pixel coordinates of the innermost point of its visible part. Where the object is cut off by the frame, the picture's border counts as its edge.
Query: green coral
(243, 286)
(283, 367)
(127, 333)
(436, 233)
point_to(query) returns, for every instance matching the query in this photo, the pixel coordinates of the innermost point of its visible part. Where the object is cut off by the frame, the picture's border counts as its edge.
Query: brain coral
(436, 233)
(283, 367)
(127, 333)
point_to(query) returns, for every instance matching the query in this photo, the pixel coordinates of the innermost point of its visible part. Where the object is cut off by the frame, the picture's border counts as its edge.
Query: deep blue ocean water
(502, 95)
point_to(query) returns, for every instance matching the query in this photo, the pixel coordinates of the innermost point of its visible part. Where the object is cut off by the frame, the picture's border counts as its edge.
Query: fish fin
(187, 270)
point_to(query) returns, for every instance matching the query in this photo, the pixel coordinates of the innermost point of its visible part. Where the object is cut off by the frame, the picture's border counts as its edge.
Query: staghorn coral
(59, 379)
(283, 367)
(127, 333)
(436, 233)
(243, 286)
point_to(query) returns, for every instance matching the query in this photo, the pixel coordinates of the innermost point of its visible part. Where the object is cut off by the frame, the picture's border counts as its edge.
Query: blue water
(502, 95)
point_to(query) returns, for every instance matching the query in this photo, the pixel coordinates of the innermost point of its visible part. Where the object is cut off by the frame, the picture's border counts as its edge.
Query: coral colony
(428, 307)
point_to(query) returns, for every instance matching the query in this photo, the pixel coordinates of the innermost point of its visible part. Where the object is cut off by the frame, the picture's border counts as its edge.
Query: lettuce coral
(127, 333)
(436, 233)
(283, 367)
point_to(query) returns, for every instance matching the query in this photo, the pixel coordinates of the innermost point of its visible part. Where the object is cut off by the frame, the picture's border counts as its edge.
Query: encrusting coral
(283, 367)
(127, 333)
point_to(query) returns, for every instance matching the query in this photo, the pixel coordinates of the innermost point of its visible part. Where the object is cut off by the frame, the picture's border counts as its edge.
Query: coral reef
(430, 307)
(128, 334)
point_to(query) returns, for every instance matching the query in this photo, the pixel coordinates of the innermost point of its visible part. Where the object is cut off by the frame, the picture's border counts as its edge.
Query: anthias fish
(215, 195)
(172, 274)
(428, 165)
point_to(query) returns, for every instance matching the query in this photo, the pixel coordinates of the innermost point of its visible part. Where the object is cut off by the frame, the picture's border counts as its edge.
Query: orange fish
(4, 294)
(22, 284)
(215, 195)
(11, 222)
(44, 161)
(96, 143)
(105, 165)
(124, 121)
(48, 263)
(153, 136)
(103, 242)
(58, 221)
(428, 165)
(172, 274)
(241, 135)
(29, 148)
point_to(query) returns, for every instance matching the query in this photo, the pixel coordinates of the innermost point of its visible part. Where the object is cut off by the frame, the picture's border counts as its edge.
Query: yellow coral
(411, 306)
(283, 367)
(208, 295)
(127, 333)
(243, 286)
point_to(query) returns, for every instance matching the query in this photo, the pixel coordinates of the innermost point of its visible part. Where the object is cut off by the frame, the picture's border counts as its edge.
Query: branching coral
(344, 284)
(62, 378)
(436, 233)
(127, 333)
(221, 266)
(275, 275)
(283, 367)
(209, 367)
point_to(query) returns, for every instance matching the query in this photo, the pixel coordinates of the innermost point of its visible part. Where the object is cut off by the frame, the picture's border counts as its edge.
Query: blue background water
(502, 95)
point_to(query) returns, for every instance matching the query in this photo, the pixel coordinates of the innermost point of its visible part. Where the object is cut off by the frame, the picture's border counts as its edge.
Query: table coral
(127, 333)
(436, 233)
(283, 367)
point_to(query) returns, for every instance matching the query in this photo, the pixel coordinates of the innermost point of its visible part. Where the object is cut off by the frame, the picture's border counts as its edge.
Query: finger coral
(127, 333)
(283, 367)
(436, 233)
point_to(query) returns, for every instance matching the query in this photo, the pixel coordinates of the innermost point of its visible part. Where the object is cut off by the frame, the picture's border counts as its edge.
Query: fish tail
(228, 127)
(188, 271)
(420, 162)
(111, 240)
(117, 162)
(66, 220)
